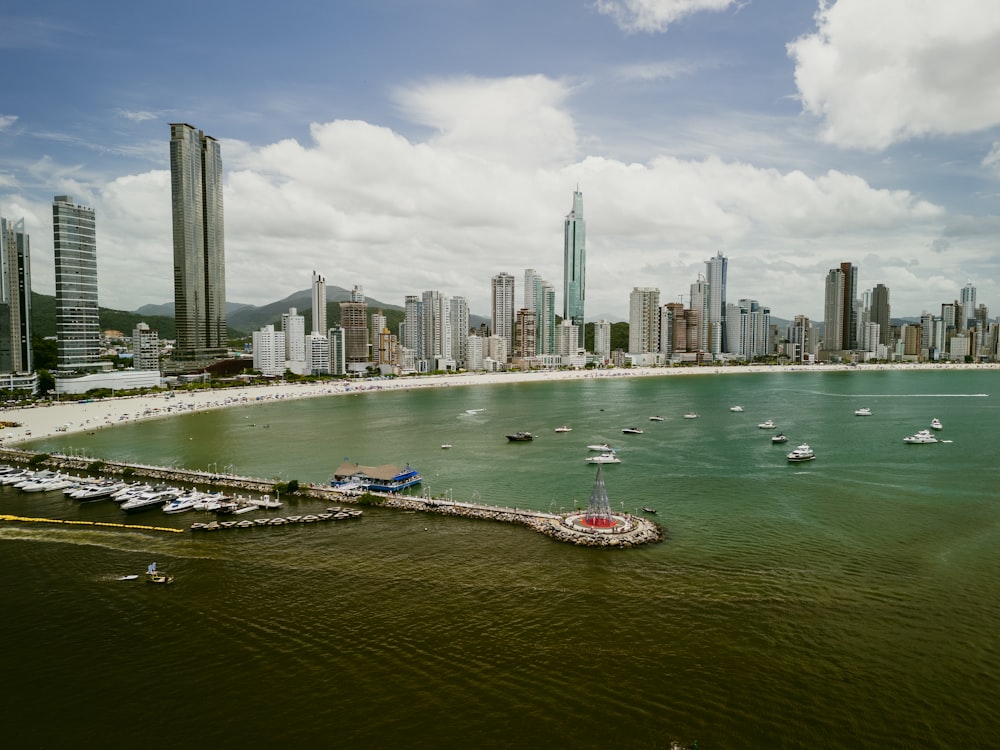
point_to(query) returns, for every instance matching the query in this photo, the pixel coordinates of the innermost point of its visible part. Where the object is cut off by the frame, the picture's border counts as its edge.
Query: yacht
(564, 428)
(601, 448)
(864, 411)
(146, 500)
(691, 415)
(520, 437)
(657, 418)
(632, 431)
(802, 453)
(736, 408)
(924, 436)
(768, 425)
(779, 438)
(604, 458)
(936, 424)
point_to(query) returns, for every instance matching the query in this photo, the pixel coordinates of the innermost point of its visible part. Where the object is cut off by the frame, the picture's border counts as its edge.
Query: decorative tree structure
(599, 511)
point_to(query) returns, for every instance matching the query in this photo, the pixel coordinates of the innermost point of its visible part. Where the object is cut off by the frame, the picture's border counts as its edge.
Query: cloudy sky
(407, 145)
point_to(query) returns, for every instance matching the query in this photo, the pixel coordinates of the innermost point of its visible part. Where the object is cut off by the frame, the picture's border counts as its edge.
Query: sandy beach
(66, 417)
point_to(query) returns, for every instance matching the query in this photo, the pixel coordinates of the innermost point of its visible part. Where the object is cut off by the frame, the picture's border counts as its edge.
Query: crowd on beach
(55, 417)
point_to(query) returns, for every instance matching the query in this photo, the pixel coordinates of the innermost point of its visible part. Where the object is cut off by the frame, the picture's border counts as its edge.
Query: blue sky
(405, 145)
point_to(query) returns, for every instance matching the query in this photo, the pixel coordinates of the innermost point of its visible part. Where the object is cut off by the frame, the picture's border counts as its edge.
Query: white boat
(779, 438)
(445, 445)
(768, 425)
(923, 436)
(736, 408)
(182, 503)
(691, 415)
(632, 431)
(15, 476)
(936, 424)
(564, 428)
(601, 448)
(603, 458)
(864, 411)
(802, 453)
(147, 500)
(47, 484)
(657, 418)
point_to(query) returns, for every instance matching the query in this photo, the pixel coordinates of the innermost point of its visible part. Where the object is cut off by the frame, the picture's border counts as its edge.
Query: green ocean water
(848, 602)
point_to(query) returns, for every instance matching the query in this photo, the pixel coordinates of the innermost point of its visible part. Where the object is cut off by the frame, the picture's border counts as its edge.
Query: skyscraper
(575, 265)
(503, 308)
(715, 274)
(968, 299)
(354, 321)
(880, 312)
(644, 320)
(849, 325)
(318, 304)
(78, 327)
(199, 247)
(16, 354)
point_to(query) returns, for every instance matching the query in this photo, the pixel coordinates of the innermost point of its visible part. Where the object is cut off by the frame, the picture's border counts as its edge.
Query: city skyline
(694, 128)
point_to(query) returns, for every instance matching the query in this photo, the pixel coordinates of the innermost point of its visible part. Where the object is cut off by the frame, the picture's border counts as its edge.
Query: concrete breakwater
(629, 531)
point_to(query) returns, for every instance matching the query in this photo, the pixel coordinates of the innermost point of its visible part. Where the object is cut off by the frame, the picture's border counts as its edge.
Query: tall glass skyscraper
(16, 355)
(575, 265)
(78, 326)
(715, 273)
(199, 247)
(503, 308)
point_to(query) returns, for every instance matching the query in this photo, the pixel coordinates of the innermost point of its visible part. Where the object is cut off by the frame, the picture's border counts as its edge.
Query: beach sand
(66, 417)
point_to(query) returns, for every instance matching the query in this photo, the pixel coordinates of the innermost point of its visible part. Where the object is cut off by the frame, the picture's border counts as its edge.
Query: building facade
(503, 308)
(16, 354)
(575, 266)
(199, 245)
(78, 325)
(644, 320)
(145, 348)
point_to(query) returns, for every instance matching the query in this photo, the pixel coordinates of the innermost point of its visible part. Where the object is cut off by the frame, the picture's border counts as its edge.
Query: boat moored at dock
(384, 478)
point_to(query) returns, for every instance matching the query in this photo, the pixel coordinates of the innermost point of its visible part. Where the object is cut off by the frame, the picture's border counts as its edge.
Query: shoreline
(65, 418)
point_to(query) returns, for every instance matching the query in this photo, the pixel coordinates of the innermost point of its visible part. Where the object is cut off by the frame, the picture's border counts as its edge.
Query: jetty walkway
(628, 531)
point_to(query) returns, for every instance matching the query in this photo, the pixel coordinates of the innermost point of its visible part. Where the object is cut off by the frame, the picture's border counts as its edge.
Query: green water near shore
(850, 602)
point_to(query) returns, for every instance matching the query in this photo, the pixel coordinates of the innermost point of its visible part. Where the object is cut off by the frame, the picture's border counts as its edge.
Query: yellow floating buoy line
(25, 519)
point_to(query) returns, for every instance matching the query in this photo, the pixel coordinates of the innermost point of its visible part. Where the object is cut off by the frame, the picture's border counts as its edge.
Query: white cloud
(140, 116)
(364, 205)
(654, 71)
(516, 119)
(881, 71)
(655, 15)
(6, 121)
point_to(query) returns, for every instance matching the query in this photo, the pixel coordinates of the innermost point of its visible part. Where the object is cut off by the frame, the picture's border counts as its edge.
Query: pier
(631, 531)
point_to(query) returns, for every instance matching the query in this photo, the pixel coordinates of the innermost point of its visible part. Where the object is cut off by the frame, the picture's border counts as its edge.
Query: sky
(412, 145)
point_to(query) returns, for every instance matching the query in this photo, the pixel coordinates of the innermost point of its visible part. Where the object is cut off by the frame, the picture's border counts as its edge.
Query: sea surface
(852, 602)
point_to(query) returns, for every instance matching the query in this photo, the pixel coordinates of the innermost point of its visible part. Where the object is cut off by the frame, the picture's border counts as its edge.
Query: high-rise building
(413, 326)
(715, 274)
(699, 305)
(967, 297)
(833, 311)
(199, 246)
(354, 321)
(575, 266)
(435, 343)
(503, 308)
(317, 354)
(644, 320)
(78, 326)
(318, 304)
(524, 333)
(378, 322)
(602, 339)
(294, 327)
(16, 354)
(849, 322)
(338, 344)
(145, 348)
(460, 330)
(269, 351)
(880, 313)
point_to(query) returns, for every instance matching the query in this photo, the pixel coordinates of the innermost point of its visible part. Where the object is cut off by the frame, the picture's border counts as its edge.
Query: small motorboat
(936, 424)
(127, 578)
(155, 576)
(445, 445)
(657, 418)
(564, 428)
(604, 458)
(632, 431)
(736, 408)
(768, 425)
(691, 415)
(802, 453)
(600, 447)
(779, 438)
(520, 437)
(647, 509)
(923, 436)
(864, 411)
